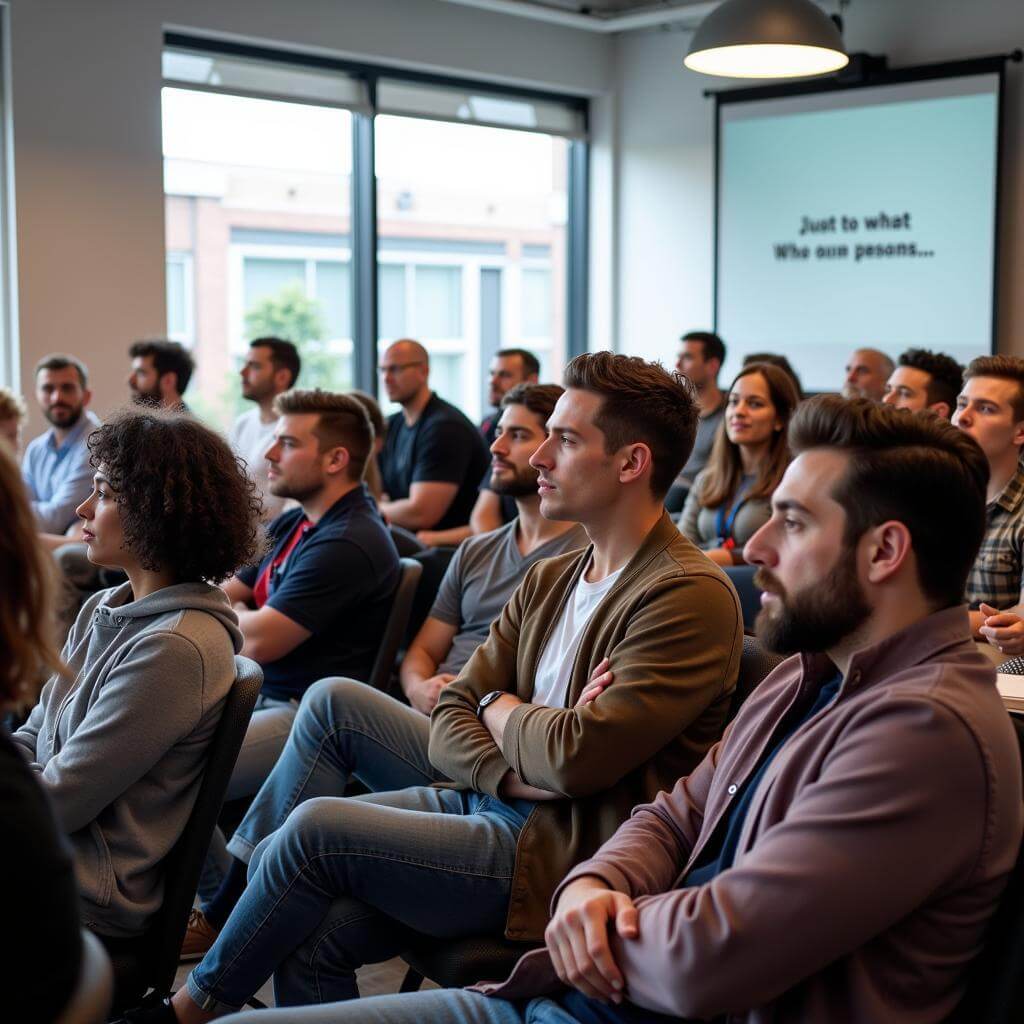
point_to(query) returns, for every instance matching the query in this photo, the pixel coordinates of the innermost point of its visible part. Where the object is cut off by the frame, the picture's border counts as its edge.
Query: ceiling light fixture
(767, 39)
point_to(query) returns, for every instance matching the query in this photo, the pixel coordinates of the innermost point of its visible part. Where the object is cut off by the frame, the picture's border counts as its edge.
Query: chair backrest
(94, 992)
(398, 618)
(755, 664)
(995, 986)
(184, 863)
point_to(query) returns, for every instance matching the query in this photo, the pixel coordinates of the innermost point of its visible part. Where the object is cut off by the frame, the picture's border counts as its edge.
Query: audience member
(524, 732)
(807, 870)
(990, 409)
(731, 498)
(12, 419)
(160, 372)
(40, 969)
(867, 370)
(371, 472)
(317, 604)
(925, 380)
(271, 367)
(486, 569)
(509, 367)
(480, 580)
(56, 464)
(781, 362)
(120, 740)
(701, 354)
(433, 456)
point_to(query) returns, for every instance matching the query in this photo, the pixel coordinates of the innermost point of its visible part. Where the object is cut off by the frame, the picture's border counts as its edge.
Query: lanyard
(723, 525)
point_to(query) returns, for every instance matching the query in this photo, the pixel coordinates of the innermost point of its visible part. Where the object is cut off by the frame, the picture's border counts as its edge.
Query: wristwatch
(488, 698)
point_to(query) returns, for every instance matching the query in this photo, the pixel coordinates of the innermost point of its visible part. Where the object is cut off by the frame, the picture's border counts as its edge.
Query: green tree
(292, 315)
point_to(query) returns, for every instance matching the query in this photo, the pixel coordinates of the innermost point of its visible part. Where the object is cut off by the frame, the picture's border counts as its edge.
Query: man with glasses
(433, 457)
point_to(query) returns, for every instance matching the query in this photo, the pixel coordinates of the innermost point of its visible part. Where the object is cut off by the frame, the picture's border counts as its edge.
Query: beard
(147, 398)
(297, 490)
(64, 417)
(816, 617)
(521, 484)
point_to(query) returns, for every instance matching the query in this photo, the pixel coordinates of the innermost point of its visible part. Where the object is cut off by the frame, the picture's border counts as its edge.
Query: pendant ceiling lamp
(766, 39)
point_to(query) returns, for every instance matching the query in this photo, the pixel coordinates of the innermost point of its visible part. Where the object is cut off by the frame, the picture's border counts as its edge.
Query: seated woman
(41, 966)
(731, 497)
(120, 739)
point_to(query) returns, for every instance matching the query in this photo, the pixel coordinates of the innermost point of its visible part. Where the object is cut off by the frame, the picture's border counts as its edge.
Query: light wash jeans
(344, 728)
(348, 881)
(447, 1006)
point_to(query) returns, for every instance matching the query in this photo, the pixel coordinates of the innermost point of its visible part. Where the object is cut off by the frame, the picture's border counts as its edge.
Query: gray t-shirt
(706, 429)
(481, 577)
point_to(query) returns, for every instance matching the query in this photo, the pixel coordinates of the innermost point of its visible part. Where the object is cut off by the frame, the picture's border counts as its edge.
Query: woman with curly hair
(120, 740)
(731, 497)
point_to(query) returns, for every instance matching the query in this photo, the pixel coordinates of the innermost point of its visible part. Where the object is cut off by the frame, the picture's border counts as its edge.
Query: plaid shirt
(998, 572)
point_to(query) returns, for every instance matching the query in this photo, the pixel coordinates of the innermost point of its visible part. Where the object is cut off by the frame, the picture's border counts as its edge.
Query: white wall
(88, 167)
(666, 162)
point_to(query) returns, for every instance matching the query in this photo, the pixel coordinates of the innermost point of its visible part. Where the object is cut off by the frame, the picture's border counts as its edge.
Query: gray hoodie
(121, 742)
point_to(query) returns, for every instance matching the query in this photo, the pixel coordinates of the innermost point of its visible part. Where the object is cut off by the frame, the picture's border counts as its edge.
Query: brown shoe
(199, 936)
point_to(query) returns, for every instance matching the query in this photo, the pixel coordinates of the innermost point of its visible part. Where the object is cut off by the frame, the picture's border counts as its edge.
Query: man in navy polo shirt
(317, 604)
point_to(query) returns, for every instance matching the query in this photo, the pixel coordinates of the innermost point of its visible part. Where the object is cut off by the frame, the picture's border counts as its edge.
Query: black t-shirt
(442, 446)
(40, 968)
(338, 583)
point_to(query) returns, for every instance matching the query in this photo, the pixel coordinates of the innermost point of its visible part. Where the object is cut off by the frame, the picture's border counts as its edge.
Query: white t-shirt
(551, 683)
(251, 437)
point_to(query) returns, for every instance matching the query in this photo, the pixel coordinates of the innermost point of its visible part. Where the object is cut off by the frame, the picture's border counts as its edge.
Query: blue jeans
(347, 881)
(344, 728)
(447, 1006)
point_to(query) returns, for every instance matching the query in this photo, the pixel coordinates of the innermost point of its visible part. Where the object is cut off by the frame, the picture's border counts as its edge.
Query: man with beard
(271, 367)
(56, 466)
(317, 604)
(160, 372)
(838, 855)
(867, 372)
(330, 734)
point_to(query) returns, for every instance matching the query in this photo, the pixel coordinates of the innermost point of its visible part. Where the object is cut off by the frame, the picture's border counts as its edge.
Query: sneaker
(149, 1012)
(199, 936)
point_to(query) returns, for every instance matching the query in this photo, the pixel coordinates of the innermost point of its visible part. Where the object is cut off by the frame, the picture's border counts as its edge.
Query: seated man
(509, 368)
(318, 602)
(838, 856)
(12, 419)
(433, 456)
(990, 409)
(337, 732)
(160, 372)
(925, 380)
(56, 467)
(867, 370)
(541, 775)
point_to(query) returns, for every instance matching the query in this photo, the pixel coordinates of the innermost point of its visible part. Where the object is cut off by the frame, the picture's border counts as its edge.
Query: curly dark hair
(947, 375)
(185, 499)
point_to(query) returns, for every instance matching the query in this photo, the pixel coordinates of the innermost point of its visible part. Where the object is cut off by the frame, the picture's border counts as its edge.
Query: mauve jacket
(874, 852)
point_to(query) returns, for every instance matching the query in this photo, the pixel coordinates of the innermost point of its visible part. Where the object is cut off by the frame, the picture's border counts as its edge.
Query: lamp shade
(766, 39)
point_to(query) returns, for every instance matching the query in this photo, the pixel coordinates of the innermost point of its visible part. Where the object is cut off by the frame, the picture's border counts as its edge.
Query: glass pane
(257, 202)
(334, 293)
(391, 301)
(438, 303)
(454, 201)
(177, 316)
(536, 303)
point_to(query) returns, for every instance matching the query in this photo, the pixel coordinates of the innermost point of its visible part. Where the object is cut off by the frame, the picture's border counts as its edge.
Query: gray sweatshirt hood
(117, 610)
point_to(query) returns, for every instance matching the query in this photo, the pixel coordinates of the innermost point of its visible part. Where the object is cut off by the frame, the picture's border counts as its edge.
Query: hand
(424, 693)
(599, 679)
(1003, 630)
(428, 538)
(577, 937)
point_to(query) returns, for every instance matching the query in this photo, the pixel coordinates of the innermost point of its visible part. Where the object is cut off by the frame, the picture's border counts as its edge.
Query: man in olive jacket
(542, 756)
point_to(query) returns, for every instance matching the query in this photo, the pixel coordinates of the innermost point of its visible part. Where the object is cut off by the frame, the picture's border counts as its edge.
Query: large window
(269, 169)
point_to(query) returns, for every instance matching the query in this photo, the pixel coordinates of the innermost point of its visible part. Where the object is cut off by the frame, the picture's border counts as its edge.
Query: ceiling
(602, 15)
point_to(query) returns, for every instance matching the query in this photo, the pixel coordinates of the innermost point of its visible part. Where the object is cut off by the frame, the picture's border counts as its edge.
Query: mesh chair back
(755, 664)
(995, 986)
(398, 618)
(156, 961)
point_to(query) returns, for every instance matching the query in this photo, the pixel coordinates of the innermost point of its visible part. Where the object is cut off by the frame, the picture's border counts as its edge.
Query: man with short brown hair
(544, 758)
